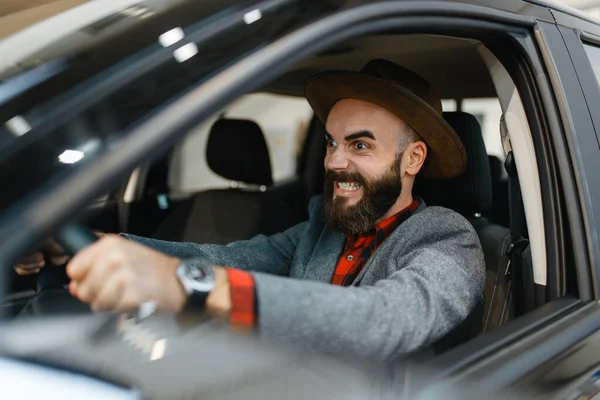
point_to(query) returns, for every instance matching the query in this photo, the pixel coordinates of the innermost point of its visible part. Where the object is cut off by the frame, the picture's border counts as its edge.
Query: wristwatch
(198, 279)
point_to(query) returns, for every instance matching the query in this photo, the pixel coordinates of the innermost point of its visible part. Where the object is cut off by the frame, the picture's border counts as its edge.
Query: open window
(483, 104)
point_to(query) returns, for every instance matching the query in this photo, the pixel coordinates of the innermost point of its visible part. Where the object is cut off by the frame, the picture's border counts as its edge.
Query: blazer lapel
(324, 259)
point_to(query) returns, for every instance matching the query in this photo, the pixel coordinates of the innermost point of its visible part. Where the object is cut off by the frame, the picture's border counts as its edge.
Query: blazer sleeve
(436, 284)
(269, 254)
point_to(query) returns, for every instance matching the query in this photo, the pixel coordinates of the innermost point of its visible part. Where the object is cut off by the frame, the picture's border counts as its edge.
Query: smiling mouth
(350, 186)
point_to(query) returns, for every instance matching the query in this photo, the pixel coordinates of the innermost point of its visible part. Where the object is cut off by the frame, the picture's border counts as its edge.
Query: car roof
(99, 24)
(451, 65)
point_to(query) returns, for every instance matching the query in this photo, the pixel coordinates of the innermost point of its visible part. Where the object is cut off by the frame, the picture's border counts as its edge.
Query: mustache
(343, 176)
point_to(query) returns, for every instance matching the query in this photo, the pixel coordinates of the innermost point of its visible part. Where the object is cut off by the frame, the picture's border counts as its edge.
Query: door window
(593, 53)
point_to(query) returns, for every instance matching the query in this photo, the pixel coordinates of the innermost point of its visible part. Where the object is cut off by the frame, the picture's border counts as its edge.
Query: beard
(379, 195)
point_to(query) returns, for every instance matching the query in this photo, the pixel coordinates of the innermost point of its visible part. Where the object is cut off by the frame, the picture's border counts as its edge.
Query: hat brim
(446, 157)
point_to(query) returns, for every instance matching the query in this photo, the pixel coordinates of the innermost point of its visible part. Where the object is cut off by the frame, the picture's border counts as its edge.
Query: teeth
(349, 186)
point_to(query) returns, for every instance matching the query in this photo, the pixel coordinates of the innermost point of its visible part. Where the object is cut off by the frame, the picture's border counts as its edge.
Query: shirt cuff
(243, 299)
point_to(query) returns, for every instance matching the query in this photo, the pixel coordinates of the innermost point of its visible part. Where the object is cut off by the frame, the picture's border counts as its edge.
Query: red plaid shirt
(357, 251)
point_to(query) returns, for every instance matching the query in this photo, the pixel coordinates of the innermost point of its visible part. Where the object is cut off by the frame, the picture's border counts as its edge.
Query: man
(374, 272)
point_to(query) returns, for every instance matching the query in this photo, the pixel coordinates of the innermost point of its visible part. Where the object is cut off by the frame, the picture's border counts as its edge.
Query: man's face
(363, 165)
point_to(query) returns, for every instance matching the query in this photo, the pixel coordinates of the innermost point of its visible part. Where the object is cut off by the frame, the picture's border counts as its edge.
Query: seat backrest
(470, 194)
(237, 151)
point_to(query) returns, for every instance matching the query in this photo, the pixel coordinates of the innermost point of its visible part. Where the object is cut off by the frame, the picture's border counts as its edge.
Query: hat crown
(396, 74)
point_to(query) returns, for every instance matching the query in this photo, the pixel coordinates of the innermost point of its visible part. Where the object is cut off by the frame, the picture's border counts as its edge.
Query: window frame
(580, 86)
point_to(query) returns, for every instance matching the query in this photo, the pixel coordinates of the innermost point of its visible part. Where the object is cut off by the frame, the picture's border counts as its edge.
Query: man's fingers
(119, 293)
(59, 260)
(81, 262)
(25, 272)
(91, 284)
(109, 295)
(128, 302)
(94, 269)
(52, 248)
(32, 259)
(31, 266)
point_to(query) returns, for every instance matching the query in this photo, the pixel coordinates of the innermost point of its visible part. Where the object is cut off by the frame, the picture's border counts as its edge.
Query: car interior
(249, 201)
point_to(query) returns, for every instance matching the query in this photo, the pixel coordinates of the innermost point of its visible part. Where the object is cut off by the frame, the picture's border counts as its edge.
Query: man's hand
(116, 274)
(30, 265)
(34, 263)
(53, 252)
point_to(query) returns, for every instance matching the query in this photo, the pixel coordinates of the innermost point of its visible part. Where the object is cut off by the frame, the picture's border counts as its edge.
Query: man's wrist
(181, 296)
(218, 302)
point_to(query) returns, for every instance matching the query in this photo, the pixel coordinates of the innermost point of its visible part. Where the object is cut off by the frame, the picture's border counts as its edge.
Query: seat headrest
(472, 191)
(237, 151)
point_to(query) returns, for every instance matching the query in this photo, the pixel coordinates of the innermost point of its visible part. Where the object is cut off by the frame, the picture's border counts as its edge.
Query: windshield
(42, 141)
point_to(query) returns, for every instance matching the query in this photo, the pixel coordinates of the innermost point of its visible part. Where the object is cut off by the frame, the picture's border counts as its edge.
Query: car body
(124, 99)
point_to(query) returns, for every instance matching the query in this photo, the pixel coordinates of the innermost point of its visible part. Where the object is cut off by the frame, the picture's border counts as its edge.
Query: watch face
(196, 275)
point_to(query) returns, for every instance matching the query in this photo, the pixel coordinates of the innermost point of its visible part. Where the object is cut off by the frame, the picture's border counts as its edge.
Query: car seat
(237, 151)
(471, 194)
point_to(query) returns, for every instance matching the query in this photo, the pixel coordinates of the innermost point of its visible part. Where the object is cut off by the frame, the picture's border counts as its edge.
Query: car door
(560, 358)
(493, 361)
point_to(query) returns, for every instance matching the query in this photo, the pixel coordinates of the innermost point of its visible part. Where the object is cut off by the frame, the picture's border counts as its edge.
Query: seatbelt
(514, 251)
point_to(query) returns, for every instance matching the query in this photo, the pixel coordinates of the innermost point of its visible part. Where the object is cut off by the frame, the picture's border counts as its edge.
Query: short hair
(408, 136)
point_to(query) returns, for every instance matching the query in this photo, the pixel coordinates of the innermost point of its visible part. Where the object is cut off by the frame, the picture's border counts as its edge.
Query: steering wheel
(52, 297)
(73, 238)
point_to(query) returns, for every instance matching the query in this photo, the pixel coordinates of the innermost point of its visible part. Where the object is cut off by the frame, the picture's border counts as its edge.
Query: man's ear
(415, 155)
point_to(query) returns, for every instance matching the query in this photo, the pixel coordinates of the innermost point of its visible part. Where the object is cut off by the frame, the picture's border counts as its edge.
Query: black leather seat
(471, 195)
(236, 150)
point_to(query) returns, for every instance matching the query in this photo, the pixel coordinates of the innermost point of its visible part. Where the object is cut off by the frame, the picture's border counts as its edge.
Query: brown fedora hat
(403, 93)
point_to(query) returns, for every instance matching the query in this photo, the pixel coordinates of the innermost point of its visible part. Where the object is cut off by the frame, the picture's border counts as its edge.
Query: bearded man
(374, 272)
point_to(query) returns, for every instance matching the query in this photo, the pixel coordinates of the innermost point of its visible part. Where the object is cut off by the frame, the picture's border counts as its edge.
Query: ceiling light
(18, 125)
(70, 156)
(252, 16)
(185, 52)
(171, 37)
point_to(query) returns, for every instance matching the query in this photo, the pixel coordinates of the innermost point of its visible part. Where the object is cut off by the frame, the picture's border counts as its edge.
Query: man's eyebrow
(361, 134)
(357, 135)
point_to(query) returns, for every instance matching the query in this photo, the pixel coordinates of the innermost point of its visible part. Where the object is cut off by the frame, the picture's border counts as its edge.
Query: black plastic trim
(588, 37)
(575, 42)
(478, 349)
(509, 366)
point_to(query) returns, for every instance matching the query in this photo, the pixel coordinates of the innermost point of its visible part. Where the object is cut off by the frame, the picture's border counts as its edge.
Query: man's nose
(337, 161)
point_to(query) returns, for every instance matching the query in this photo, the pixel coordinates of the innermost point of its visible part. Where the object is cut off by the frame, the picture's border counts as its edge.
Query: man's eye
(330, 143)
(360, 146)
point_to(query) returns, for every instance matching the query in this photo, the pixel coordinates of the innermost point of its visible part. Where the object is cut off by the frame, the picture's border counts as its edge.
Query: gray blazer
(420, 283)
